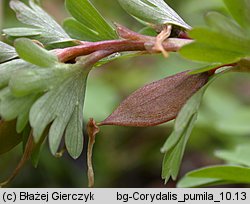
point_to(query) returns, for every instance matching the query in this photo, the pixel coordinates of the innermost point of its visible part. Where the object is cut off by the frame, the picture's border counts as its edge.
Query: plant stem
(120, 45)
(92, 130)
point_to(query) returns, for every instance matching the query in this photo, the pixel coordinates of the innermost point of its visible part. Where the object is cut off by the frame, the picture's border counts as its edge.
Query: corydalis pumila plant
(43, 75)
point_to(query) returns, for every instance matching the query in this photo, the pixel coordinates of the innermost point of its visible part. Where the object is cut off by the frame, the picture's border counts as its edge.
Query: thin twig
(92, 130)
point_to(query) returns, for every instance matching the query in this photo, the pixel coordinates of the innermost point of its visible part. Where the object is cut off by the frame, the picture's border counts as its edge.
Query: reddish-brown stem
(126, 33)
(121, 45)
(91, 59)
(86, 48)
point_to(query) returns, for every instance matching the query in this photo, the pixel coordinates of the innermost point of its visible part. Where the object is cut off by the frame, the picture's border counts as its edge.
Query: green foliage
(46, 29)
(12, 107)
(7, 52)
(89, 24)
(240, 155)
(58, 106)
(6, 70)
(224, 41)
(38, 88)
(239, 9)
(25, 32)
(79, 31)
(215, 175)
(174, 153)
(175, 145)
(39, 56)
(43, 92)
(155, 12)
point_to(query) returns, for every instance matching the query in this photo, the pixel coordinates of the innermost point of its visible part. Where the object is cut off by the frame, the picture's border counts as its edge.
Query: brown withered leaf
(157, 102)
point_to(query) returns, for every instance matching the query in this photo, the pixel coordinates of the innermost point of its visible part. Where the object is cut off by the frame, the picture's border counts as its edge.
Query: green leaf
(237, 123)
(206, 53)
(33, 53)
(13, 107)
(7, 69)
(28, 81)
(35, 16)
(153, 12)
(175, 144)
(20, 32)
(227, 173)
(79, 31)
(183, 119)
(240, 155)
(239, 9)
(221, 40)
(224, 25)
(56, 108)
(7, 52)
(74, 131)
(190, 182)
(172, 158)
(35, 156)
(23, 119)
(8, 136)
(84, 12)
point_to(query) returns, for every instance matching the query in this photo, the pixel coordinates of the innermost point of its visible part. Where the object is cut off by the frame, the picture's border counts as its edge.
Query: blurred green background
(130, 157)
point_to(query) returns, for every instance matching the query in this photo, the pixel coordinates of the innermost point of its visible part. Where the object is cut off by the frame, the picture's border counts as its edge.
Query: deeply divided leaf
(38, 80)
(173, 157)
(56, 107)
(74, 130)
(49, 98)
(50, 31)
(153, 12)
